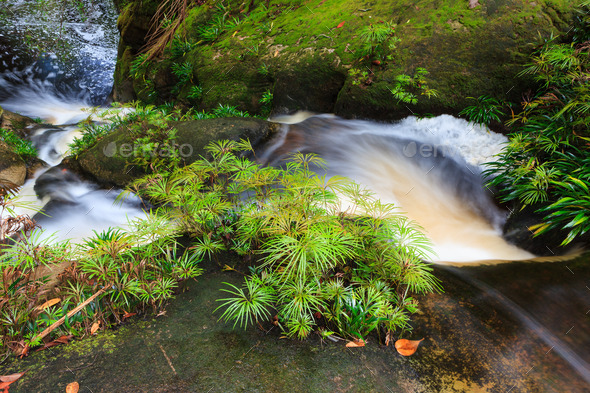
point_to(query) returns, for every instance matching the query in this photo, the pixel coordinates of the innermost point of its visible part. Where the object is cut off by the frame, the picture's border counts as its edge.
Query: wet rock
(494, 329)
(12, 168)
(516, 231)
(21, 125)
(110, 161)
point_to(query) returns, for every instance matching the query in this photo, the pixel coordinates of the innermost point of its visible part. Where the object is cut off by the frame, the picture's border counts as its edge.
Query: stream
(507, 322)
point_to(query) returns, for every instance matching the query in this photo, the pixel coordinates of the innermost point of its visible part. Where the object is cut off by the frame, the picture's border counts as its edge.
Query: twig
(168, 359)
(58, 323)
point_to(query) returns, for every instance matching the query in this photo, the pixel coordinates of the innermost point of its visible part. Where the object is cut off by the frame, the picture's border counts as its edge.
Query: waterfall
(430, 168)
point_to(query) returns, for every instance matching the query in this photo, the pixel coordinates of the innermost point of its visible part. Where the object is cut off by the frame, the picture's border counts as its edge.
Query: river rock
(108, 162)
(23, 126)
(12, 168)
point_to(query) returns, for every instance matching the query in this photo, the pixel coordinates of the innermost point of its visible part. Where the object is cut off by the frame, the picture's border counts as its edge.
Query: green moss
(468, 52)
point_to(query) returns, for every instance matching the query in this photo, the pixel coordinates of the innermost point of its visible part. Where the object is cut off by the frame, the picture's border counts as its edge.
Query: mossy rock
(21, 125)
(297, 51)
(109, 162)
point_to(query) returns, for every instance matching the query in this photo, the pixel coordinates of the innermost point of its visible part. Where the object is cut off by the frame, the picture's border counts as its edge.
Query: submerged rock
(517, 231)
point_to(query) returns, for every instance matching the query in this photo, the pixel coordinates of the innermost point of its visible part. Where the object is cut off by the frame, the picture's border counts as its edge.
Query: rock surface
(109, 161)
(304, 53)
(494, 329)
(12, 168)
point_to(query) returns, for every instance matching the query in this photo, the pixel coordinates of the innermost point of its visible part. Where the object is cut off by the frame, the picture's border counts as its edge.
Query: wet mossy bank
(477, 339)
(303, 53)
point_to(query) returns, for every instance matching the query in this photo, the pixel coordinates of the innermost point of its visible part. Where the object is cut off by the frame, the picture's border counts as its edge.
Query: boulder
(21, 125)
(109, 161)
(311, 56)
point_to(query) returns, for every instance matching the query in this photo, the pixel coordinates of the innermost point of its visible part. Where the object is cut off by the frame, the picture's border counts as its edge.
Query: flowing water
(430, 168)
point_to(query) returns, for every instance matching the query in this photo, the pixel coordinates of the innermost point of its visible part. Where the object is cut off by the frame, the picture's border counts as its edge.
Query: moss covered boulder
(110, 161)
(336, 55)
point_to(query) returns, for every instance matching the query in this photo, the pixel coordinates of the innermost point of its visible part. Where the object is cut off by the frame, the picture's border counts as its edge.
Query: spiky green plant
(546, 164)
(289, 222)
(484, 110)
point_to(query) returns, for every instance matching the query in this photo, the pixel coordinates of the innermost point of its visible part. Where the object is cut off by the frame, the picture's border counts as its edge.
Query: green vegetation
(484, 111)
(138, 271)
(309, 263)
(404, 86)
(546, 165)
(20, 146)
(150, 129)
(378, 39)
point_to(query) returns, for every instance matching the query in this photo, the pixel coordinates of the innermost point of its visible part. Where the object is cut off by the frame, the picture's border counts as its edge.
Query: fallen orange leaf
(4, 386)
(129, 315)
(25, 351)
(355, 344)
(407, 347)
(9, 379)
(12, 377)
(94, 327)
(49, 303)
(340, 25)
(72, 387)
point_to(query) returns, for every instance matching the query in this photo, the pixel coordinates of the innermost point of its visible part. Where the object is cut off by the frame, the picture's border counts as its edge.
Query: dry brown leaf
(48, 304)
(12, 377)
(355, 344)
(407, 347)
(65, 339)
(72, 387)
(95, 327)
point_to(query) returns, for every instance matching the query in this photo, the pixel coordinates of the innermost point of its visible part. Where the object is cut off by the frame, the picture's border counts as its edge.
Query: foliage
(546, 163)
(359, 77)
(20, 146)
(264, 69)
(229, 111)
(404, 85)
(266, 102)
(375, 37)
(484, 111)
(217, 25)
(184, 74)
(309, 257)
(139, 66)
(195, 92)
(180, 47)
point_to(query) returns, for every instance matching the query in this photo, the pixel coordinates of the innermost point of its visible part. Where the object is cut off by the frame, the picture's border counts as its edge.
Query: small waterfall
(430, 168)
(70, 208)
